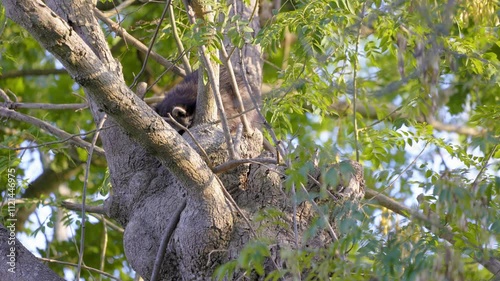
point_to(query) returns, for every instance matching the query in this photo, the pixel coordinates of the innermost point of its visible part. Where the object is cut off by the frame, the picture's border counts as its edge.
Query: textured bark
(20, 264)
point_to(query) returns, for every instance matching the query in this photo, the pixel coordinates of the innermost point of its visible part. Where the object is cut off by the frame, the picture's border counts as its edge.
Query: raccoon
(180, 102)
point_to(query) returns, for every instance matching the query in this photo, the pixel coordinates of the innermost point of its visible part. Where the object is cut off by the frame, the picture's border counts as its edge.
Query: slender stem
(129, 39)
(178, 41)
(174, 220)
(153, 40)
(241, 106)
(84, 196)
(355, 86)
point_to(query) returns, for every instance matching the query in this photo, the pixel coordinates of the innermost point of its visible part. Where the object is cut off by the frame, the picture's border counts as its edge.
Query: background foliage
(412, 86)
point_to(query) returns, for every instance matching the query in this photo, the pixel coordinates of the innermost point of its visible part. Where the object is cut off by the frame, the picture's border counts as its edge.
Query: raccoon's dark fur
(180, 102)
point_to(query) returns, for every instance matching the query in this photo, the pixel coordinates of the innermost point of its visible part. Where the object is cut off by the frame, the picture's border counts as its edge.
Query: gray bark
(18, 263)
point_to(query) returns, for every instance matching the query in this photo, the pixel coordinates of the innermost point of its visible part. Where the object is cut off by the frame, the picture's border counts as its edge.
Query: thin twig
(84, 196)
(47, 106)
(168, 70)
(405, 169)
(218, 100)
(83, 266)
(73, 139)
(432, 222)
(138, 44)
(294, 217)
(369, 112)
(32, 72)
(236, 89)
(174, 221)
(355, 86)
(321, 214)
(104, 245)
(236, 162)
(483, 168)
(24, 148)
(153, 41)
(78, 207)
(119, 8)
(382, 119)
(279, 145)
(178, 41)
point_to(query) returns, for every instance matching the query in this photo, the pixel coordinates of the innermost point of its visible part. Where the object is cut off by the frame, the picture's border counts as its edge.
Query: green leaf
(456, 102)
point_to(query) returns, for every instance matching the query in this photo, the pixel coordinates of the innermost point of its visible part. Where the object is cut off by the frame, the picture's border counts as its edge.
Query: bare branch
(152, 42)
(5, 97)
(78, 207)
(65, 106)
(98, 210)
(138, 44)
(117, 9)
(46, 106)
(84, 195)
(355, 85)
(32, 72)
(83, 266)
(178, 41)
(73, 139)
(483, 168)
(241, 107)
(214, 81)
(236, 162)
(280, 149)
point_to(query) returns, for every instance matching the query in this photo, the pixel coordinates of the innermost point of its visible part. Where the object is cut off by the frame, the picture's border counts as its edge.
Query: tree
(210, 205)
